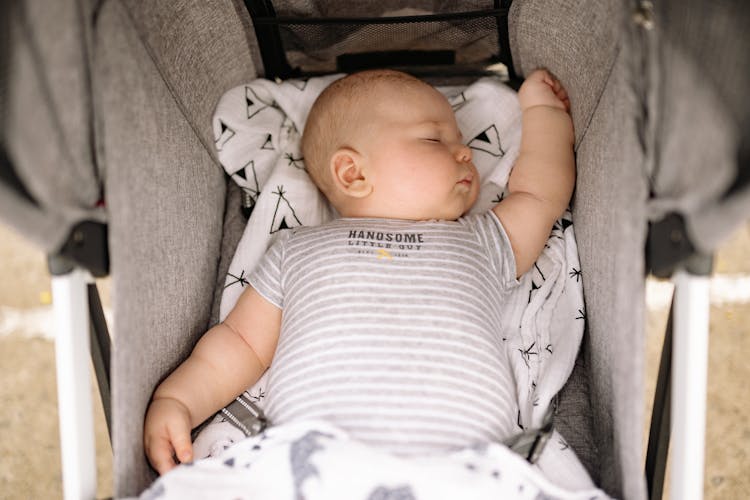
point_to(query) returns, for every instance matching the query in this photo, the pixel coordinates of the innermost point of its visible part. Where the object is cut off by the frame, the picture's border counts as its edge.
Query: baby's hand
(166, 434)
(543, 89)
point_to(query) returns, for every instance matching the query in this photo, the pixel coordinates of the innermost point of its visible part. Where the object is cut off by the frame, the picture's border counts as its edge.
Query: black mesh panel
(465, 43)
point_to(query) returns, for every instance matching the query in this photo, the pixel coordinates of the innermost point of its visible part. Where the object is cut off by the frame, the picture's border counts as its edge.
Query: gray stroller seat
(124, 92)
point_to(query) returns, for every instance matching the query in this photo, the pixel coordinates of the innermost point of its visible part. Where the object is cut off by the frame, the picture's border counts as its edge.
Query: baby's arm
(227, 360)
(543, 177)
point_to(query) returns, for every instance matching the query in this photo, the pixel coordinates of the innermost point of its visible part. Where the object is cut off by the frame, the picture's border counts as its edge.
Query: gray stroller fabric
(610, 230)
(697, 133)
(129, 38)
(142, 52)
(47, 120)
(160, 69)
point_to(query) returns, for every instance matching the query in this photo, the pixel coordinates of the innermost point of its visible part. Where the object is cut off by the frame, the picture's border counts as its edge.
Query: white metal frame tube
(73, 360)
(689, 383)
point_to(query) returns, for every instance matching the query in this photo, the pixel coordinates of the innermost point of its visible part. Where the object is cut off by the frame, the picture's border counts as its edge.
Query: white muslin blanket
(312, 460)
(257, 130)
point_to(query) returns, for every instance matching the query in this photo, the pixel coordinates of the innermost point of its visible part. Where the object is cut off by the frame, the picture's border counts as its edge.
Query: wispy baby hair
(338, 115)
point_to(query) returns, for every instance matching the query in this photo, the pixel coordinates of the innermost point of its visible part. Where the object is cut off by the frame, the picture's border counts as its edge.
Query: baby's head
(384, 144)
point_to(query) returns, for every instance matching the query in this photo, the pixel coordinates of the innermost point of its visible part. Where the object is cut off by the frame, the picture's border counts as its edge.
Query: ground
(29, 448)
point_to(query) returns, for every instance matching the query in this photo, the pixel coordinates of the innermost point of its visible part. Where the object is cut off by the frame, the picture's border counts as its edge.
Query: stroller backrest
(461, 38)
(160, 67)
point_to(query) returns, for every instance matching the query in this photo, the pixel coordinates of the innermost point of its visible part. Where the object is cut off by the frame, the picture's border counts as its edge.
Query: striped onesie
(391, 330)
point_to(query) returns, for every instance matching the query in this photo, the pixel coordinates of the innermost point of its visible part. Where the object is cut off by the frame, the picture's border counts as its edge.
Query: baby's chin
(453, 210)
(453, 214)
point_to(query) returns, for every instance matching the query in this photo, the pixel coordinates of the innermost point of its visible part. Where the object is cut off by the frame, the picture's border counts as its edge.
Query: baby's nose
(463, 153)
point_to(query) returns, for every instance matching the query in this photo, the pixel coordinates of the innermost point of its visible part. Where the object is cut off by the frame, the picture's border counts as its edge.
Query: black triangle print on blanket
(289, 128)
(247, 179)
(268, 145)
(562, 224)
(284, 216)
(457, 101)
(225, 133)
(488, 140)
(254, 103)
(299, 84)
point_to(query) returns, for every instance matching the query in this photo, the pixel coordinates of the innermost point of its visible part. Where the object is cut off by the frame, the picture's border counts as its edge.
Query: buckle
(245, 415)
(530, 444)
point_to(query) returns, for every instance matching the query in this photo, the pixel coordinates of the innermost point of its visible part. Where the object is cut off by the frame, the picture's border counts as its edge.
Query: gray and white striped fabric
(391, 330)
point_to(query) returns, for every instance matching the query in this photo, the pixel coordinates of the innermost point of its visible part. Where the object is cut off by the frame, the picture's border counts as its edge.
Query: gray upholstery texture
(234, 226)
(576, 41)
(47, 129)
(610, 222)
(198, 47)
(166, 194)
(148, 54)
(580, 43)
(573, 419)
(701, 115)
(661, 120)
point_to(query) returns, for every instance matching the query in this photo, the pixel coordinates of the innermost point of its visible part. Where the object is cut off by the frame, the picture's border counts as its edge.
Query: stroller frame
(647, 28)
(689, 370)
(680, 411)
(75, 407)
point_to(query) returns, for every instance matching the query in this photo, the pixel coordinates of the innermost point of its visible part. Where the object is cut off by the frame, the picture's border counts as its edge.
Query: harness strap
(245, 415)
(530, 443)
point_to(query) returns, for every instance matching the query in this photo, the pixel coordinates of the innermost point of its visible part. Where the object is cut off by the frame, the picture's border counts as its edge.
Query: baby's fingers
(563, 96)
(179, 435)
(551, 81)
(160, 453)
(173, 440)
(558, 89)
(539, 74)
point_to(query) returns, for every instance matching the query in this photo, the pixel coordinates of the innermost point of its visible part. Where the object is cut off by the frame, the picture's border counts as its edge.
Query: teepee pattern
(256, 129)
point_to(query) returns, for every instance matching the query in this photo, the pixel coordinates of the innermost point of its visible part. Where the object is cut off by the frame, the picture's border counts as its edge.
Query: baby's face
(419, 166)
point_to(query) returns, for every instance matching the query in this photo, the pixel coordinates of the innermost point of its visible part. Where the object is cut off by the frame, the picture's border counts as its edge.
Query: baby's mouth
(466, 181)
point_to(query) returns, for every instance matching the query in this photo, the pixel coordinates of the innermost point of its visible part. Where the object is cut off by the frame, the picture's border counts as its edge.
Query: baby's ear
(347, 171)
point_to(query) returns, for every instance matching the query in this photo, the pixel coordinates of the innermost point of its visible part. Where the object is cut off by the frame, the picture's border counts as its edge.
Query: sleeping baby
(385, 322)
